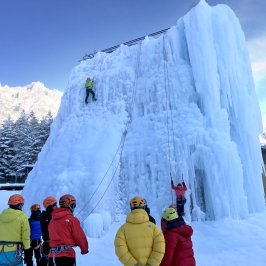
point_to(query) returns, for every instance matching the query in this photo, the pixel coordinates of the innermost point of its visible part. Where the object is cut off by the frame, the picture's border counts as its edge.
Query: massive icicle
(185, 103)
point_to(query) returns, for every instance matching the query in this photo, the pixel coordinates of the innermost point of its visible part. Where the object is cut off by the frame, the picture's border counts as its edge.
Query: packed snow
(182, 104)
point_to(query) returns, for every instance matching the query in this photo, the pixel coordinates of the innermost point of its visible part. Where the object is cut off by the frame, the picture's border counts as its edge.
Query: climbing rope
(167, 103)
(120, 146)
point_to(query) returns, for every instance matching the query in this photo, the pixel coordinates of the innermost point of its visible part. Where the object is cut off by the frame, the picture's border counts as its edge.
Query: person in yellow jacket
(89, 85)
(14, 232)
(139, 242)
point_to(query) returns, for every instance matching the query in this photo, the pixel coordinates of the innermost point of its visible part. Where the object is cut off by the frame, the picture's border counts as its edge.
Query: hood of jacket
(35, 216)
(9, 215)
(137, 216)
(60, 213)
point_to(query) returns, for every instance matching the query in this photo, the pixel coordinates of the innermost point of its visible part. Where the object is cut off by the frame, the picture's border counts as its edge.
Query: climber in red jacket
(178, 244)
(180, 190)
(65, 232)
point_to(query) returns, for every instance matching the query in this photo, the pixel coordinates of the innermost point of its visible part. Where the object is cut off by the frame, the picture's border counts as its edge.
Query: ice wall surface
(182, 103)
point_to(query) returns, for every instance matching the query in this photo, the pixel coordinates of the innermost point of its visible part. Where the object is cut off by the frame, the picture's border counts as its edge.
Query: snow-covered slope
(183, 103)
(33, 97)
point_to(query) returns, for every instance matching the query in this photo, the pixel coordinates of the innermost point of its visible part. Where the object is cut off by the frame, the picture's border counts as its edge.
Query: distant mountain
(33, 97)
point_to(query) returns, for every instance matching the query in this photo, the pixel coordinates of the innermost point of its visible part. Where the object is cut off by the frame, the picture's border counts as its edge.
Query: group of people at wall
(50, 235)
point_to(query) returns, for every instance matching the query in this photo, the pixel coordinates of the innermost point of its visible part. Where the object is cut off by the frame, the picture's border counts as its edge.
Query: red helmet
(15, 200)
(49, 201)
(172, 206)
(67, 200)
(35, 207)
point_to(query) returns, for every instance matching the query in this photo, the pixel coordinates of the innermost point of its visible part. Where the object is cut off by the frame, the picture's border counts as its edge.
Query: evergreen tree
(7, 152)
(20, 144)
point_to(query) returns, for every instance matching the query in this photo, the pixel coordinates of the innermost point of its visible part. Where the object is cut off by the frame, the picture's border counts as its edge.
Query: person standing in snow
(49, 203)
(180, 190)
(35, 234)
(65, 232)
(178, 243)
(139, 242)
(14, 233)
(89, 89)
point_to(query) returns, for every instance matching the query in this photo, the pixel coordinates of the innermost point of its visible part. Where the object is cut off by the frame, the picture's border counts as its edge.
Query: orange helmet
(49, 201)
(15, 200)
(35, 207)
(137, 203)
(67, 200)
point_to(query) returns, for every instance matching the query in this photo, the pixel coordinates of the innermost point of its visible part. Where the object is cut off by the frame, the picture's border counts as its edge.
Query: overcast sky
(42, 40)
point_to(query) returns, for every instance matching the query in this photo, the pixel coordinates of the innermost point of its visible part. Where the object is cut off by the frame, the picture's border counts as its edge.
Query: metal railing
(129, 43)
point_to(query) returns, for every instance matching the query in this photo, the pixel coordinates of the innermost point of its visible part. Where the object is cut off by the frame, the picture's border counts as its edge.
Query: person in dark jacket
(65, 232)
(89, 89)
(178, 243)
(49, 204)
(35, 234)
(147, 209)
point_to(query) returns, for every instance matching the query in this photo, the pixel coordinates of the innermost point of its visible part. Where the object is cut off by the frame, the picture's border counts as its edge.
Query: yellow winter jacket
(89, 84)
(139, 241)
(14, 227)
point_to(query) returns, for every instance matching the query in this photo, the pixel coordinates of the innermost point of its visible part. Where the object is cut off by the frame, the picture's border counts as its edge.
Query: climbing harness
(17, 259)
(59, 249)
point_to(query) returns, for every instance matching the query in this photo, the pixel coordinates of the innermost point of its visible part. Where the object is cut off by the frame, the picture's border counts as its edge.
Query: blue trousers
(10, 258)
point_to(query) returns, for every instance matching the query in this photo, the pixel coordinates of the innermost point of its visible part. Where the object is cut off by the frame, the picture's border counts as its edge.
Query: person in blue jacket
(35, 234)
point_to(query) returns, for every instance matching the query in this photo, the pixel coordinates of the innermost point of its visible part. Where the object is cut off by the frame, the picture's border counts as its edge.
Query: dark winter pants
(180, 207)
(88, 91)
(35, 248)
(62, 261)
(45, 252)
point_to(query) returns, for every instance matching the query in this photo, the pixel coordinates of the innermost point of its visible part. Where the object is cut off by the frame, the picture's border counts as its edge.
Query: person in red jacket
(178, 244)
(164, 222)
(65, 232)
(180, 190)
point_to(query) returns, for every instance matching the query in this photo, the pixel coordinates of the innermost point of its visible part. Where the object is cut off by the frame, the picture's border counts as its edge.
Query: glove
(183, 183)
(84, 252)
(172, 182)
(28, 256)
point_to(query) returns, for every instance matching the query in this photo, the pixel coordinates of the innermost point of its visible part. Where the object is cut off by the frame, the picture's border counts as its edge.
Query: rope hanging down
(168, 103)
(166, 88)
(120, 146)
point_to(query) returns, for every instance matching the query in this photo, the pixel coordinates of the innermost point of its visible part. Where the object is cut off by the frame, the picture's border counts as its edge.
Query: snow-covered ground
(225, 242)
